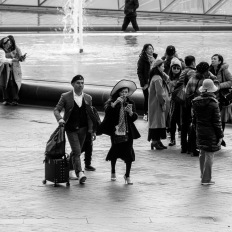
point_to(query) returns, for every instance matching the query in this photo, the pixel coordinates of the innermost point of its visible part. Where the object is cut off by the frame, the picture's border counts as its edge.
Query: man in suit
(75, 104)
(130, 14)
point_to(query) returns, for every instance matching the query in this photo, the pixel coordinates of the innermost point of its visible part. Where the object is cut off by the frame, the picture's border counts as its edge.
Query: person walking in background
(158, 105)
(209, 133)
(11, 73)
(77, 122)
(220, 69)
(174, 113)
(118, 123)
(130, 14)
(146, 59)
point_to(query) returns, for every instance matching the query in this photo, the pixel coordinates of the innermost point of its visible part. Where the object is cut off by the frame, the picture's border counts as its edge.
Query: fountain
(73, 21)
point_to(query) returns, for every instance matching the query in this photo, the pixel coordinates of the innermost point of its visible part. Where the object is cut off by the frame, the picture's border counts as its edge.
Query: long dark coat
(111, 119)
(143, 69)
(208, 122)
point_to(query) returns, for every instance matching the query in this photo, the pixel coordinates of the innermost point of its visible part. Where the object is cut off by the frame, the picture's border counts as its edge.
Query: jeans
(206, 163)
(127, 20)
(76, 140)
(186, 121)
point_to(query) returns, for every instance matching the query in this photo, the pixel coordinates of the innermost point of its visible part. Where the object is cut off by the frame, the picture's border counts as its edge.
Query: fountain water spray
(73, 21)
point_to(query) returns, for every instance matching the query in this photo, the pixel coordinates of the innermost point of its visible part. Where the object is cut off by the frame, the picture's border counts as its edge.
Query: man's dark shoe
(89, 168)
(223, 143)
(195, 153)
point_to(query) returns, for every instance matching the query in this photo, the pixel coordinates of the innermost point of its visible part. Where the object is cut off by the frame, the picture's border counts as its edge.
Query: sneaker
(145, 117)
(89, 168)
(208, 183)
(6, 103)
(172, 143)
(113, 176)
(14, 103)
(82, 178)
(72, 175)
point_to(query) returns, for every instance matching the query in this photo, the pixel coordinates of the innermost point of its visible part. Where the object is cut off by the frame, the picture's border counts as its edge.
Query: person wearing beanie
(192, 91)
(174, 113)
(77, 121)
(207, 122)
(170, 53)
(146, 59)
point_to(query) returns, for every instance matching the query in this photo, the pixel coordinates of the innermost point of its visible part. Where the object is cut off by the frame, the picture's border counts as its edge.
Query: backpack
(55, 147)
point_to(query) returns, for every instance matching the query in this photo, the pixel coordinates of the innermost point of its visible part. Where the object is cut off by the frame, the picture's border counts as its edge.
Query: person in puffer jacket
(209, 133)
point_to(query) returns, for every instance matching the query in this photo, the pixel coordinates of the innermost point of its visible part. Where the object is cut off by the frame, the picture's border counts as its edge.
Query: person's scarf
(151, 58)
(121, 127)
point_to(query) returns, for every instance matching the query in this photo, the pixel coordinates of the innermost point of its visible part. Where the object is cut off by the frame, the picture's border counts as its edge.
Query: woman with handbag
(158, 105)
(220, 69)
(118, 123)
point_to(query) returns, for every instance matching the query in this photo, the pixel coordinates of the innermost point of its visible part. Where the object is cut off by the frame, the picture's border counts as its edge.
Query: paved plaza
(166, 195)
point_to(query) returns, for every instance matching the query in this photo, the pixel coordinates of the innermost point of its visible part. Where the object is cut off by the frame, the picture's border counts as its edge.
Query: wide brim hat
(124, 84)
(208, 86)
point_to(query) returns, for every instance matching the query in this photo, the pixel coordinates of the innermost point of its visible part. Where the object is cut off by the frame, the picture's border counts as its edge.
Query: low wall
(48, 94)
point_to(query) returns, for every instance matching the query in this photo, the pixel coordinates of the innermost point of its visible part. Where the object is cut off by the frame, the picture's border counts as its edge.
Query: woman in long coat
(158, 105)
(120, 114)
(11, 75)
(220, 69)
(146, 59)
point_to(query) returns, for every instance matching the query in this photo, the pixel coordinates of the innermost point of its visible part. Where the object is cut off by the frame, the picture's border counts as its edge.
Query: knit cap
(175, 61)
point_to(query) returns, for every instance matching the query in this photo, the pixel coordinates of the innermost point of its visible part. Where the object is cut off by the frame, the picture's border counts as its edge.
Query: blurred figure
(220, 69)
(174, 113)
(207, 119)
(11, 73)
(130, 14)
(120, 114)
(158, 105)
(146, 59)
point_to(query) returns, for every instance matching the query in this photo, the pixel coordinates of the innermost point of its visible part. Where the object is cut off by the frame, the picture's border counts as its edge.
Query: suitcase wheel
(44, 181)
(67, 184)
(55, 185)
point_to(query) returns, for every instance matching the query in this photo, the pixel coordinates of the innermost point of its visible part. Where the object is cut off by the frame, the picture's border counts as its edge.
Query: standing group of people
(181, 94)
(10, 70)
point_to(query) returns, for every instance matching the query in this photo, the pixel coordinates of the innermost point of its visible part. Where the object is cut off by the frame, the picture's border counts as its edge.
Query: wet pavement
(166, 194)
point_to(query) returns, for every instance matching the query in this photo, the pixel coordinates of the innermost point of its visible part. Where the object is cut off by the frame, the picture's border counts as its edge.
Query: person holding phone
(118, 123)
(10, 71)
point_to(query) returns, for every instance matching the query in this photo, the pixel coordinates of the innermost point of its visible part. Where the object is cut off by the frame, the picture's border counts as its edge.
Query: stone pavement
(166, 196)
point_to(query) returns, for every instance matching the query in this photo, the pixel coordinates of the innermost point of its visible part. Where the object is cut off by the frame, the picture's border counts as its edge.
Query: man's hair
(189, 60)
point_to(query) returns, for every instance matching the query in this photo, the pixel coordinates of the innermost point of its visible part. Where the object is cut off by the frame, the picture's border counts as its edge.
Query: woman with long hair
(146, 59)
(11, 79)
(158, 105)
(120, 114)
(220, 69)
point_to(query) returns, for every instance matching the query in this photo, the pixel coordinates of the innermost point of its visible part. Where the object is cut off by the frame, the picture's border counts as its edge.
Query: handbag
(120, 139)
(225, 95)
(179, 95)
(55, 147)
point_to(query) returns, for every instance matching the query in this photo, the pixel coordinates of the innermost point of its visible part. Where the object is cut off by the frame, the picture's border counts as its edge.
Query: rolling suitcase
(56, 171)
